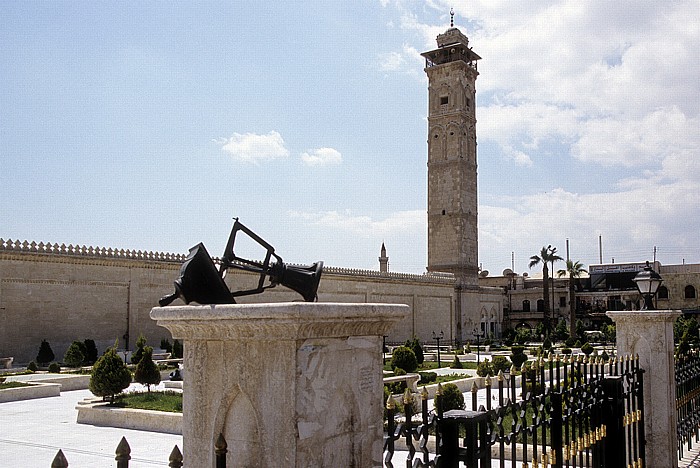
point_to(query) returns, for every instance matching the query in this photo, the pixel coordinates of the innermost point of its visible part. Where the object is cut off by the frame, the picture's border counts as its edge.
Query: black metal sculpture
(201, 282)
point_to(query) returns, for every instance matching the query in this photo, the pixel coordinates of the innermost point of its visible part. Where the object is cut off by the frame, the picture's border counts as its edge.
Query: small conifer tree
(146, 370)
(140, 344)
(109, 375)
(74, 356)
(452, 398)
(456, 363)
(404, 358)
(177, 349)
(45, 354)
(90, 351)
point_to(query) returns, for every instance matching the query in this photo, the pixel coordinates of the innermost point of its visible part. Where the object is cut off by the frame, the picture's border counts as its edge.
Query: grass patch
(157, 401)
(5, 385)
(450, 378)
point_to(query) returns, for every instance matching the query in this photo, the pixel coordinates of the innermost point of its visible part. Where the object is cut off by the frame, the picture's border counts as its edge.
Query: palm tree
(574, 270)
(547, 255)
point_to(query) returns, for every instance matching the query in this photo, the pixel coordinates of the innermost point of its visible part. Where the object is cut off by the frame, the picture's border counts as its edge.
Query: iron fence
(687, 401)
(571, 412)
(123, 455)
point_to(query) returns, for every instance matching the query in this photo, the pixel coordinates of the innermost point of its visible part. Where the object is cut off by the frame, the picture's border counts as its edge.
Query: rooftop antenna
(452, 17)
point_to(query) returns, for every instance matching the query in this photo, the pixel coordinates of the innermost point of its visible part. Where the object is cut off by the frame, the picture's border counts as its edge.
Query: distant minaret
(383, 260)
(452, 193)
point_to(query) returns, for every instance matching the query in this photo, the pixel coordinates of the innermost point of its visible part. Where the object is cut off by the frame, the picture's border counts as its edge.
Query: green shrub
(547, 343)
(45, 354)
(500, 364)
(518, 356)
(74, 356)
(570, 341)
(166, 345)
(177, 349)
(484, 369)
(397, 387)
(109, 375)
(91, 352)
(417, 349)
(146, 370)
(32, 366)
(140, 344)
(456, 363)
(566, 351)
(427, 377)
(605, 356)
(587, 349)
(55, 368)
(404, 358)
(452, 398)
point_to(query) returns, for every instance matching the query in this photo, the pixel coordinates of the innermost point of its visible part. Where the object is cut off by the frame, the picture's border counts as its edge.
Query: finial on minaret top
(452, 17)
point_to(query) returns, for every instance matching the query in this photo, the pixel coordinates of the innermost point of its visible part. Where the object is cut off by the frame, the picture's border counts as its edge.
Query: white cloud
(322, 157)
(364, 226)
(408, 60)
(253, 148)
(628, 142)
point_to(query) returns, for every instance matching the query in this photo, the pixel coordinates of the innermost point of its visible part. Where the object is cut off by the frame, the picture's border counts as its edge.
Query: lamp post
(438, 338)
(648, 282)
(384, 350)
(478, 333)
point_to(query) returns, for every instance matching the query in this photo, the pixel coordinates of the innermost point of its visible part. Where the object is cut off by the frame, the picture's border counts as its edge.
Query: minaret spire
(452, 17)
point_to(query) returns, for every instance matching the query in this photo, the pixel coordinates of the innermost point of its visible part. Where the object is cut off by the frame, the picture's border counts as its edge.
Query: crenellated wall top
(76, 252)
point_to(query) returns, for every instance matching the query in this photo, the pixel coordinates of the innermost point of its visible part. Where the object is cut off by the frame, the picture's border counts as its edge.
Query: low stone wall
(68, 382)
(100, 414)
(34, 390)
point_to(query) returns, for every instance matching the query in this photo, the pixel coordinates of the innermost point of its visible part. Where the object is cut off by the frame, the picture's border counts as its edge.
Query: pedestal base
(288, 385)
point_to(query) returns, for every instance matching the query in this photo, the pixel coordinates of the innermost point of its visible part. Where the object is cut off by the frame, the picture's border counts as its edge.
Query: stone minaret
(383, 260)
(452, 195)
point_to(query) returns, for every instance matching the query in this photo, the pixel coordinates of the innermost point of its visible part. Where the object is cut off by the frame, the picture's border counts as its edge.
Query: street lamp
(478, 333)
(438, 338)
(648, 282)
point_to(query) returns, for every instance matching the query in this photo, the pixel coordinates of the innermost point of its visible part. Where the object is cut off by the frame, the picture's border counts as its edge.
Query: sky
(151, 125)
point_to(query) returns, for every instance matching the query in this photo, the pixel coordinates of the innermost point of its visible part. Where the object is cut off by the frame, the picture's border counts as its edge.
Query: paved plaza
(34, 430)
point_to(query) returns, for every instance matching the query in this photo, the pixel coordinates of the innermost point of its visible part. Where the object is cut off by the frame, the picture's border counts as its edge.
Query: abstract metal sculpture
(201, 282)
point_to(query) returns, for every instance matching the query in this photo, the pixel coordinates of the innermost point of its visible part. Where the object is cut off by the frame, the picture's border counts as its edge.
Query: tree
(140, 343)
(90, 351)
(74, 355)
(417, 349)
(547, 255)
(452, 397)
(45, 354)
(404, 358)
(574, 270)
(147, 372)
(109, 375)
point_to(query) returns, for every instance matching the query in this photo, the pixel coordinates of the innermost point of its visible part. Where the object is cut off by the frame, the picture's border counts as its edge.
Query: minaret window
(444, 100)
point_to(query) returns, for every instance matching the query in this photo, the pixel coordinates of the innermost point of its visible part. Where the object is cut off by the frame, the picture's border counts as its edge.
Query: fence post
(59, 461)
(220, 449)
(612, 418)
(556, 432)
(175, 459)
(123, 453)
(476, 445)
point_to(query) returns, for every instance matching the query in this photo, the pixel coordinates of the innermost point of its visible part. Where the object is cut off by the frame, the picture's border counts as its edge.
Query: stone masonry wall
(78, 293)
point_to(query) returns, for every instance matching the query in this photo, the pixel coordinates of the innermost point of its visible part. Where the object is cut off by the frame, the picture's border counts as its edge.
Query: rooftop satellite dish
(507, 272)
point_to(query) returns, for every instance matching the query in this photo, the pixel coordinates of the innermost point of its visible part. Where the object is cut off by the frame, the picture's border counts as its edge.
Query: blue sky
(150, 125)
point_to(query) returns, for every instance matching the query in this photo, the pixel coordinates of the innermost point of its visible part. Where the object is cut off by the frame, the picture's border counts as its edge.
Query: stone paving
(34, 430)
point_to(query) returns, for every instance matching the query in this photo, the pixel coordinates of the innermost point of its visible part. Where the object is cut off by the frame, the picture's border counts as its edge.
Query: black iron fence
(571, 412)
(123, 455)
(687, 401)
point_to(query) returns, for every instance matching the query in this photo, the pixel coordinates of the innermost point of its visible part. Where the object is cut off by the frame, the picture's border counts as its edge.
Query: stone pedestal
(288, 384)
(649, 333)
